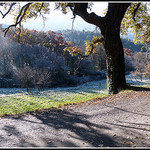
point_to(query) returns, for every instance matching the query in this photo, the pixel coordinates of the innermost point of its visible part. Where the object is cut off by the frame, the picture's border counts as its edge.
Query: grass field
(14, 101)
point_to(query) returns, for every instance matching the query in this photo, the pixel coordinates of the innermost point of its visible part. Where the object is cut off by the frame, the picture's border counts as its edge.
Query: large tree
(110, 26)
(110, 36)
(118, 18)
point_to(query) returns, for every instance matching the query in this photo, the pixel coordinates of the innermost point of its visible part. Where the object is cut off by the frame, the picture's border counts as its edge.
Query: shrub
(85, 67)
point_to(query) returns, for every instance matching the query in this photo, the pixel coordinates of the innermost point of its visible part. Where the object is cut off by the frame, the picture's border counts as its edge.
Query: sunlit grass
(24, 103)
(14, 101)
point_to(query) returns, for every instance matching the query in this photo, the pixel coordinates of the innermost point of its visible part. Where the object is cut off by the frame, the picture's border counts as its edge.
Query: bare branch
(7, 11)
(6, 29)
(19, 18)
(1, 4)
(39, 11)
(40, 8)
(73, 23)
(80, 9)
(23, 9)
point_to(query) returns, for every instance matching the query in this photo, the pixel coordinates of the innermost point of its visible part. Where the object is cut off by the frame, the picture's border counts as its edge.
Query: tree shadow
(13, 131)
(136, 88)
(133, 123)
(77, 125)
(132, 135)
(66, 128)
(127, 126)
(143, 114)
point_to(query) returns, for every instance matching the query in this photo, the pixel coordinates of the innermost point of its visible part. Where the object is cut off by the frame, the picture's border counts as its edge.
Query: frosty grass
(17, 100)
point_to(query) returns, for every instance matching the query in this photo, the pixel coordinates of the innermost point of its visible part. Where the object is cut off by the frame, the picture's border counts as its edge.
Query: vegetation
(118, 18)
(147, 71)
(15, 101)
(26, 103)
(43, 64)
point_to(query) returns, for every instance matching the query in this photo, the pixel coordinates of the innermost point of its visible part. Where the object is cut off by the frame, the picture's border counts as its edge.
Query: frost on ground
(86, 88)
(137, 81)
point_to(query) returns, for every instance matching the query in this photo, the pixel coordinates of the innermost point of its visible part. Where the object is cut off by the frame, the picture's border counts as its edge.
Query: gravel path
(121, 120)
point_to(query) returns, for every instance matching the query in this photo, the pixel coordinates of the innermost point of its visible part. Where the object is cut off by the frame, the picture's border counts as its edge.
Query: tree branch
(1, 4)
(8, 10)
(135, 10)
(76, 51)
(99, 40)
(19, 18)
(80, 9)
(39, 11)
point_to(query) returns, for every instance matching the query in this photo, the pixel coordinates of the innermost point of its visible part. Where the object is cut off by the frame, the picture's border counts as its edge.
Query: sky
(58, 21)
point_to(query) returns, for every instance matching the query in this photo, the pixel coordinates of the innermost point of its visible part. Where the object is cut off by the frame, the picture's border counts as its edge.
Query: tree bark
(114, 61)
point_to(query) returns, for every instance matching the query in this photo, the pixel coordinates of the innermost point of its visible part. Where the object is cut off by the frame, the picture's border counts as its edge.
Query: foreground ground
(121, 120)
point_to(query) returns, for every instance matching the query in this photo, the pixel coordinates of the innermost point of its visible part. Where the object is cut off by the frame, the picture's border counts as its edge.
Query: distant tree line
(37, 59)
(80, 37)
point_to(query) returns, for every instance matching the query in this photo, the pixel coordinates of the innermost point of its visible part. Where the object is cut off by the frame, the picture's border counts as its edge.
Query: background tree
(99, 58)
(140, 62)
(25, 77)
(46, 56)
(129, 60)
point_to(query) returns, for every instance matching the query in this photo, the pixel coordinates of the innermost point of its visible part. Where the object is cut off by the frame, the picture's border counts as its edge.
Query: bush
(85, 67)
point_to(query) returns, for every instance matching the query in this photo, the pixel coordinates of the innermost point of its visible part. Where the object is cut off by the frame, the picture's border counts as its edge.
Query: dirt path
(121, 120)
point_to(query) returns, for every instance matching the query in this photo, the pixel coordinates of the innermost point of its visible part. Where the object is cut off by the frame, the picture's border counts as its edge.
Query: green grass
(15, 101)
(16, 104)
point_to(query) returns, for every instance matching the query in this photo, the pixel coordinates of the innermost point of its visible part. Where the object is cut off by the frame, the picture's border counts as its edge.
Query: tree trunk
(110, 30)
(114, 60)
(113, 47)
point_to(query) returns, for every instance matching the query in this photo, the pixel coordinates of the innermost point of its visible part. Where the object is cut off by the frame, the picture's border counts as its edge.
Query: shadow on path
(125, 110)
(77, 125)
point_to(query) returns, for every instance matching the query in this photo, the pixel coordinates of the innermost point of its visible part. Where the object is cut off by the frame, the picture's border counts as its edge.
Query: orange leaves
(48, 39)
(74, 51)
(89, 49)
(128, 52)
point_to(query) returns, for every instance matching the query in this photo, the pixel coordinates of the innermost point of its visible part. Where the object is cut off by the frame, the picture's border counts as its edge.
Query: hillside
(79, 37)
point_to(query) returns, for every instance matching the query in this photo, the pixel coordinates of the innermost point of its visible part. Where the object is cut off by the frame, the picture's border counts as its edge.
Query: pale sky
(58, 21)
